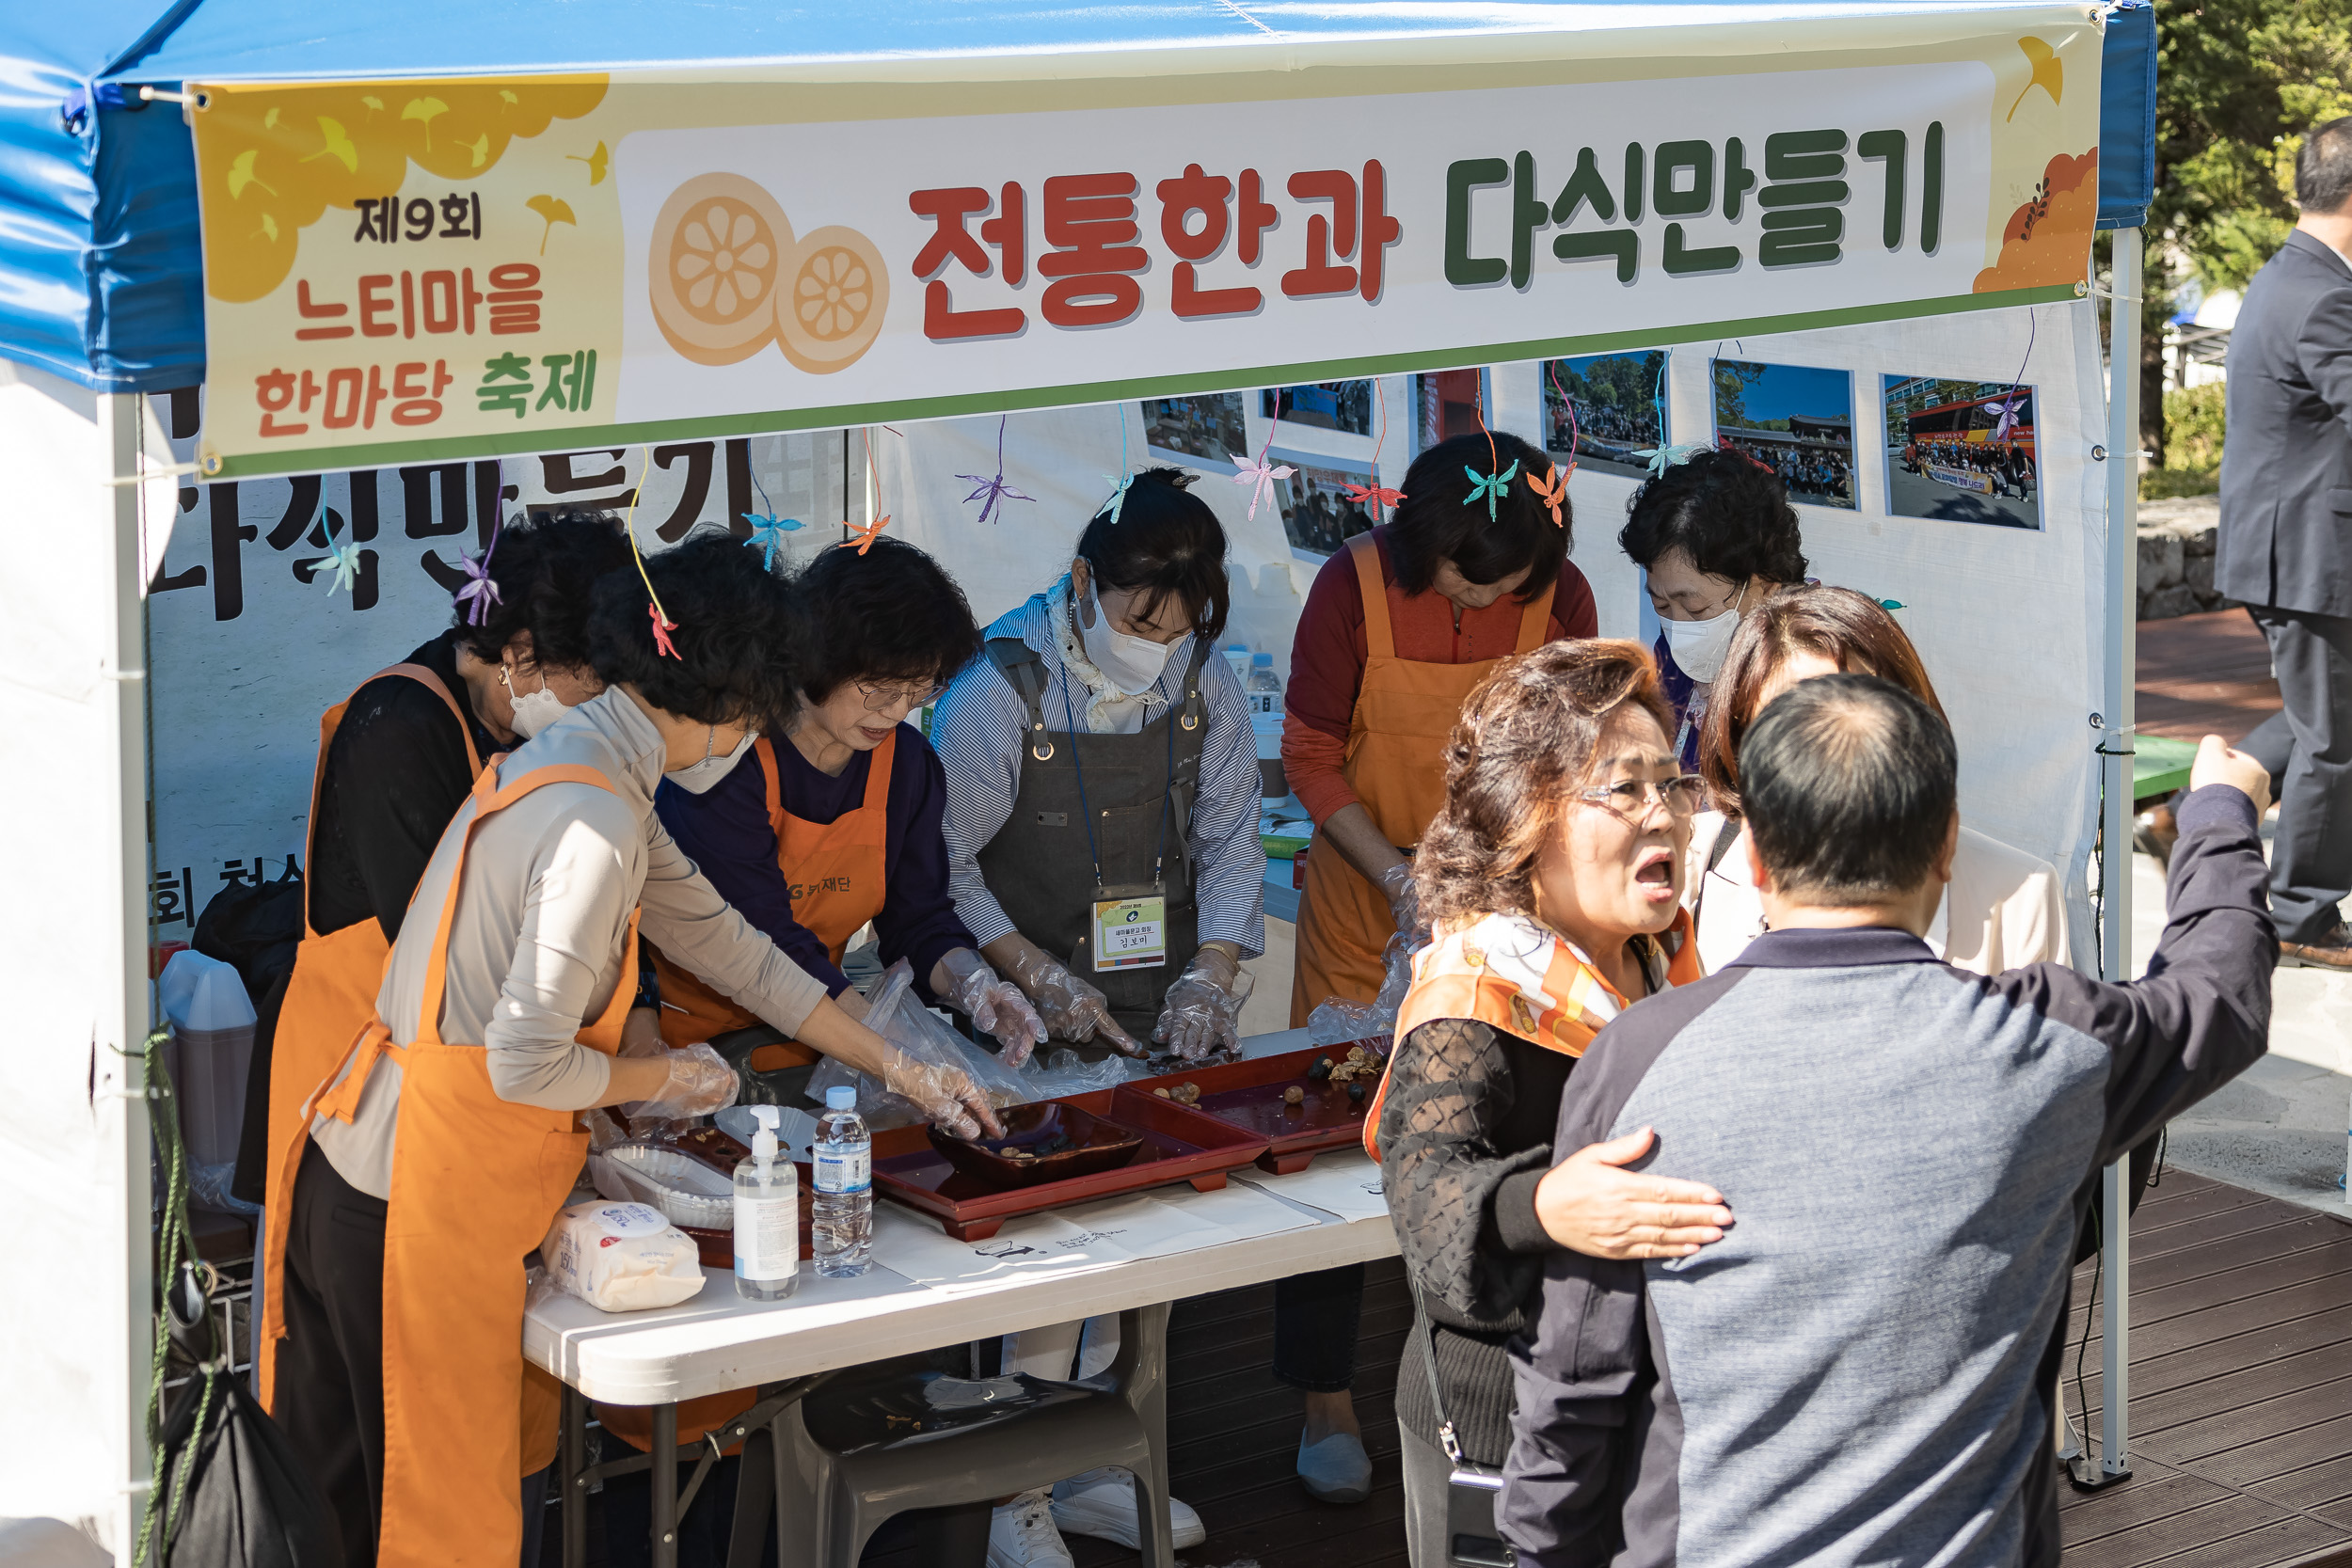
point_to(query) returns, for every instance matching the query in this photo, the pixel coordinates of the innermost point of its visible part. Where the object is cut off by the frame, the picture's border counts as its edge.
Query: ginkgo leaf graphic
(270, 120)
(596, 162)
(375, 104)
(508, 94)
(269, 227)
(338, 143)
(2048, 72)
(555, 211)
(424, 110)
(480, 148)
(241, 173)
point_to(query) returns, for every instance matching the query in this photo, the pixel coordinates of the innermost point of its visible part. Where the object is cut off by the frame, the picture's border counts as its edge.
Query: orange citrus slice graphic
(720, 249)
(830, 304)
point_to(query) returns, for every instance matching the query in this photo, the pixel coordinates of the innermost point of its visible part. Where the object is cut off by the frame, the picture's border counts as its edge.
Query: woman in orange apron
(448, 1158)
(1553, 876)
(1399, 626)
(395, 760)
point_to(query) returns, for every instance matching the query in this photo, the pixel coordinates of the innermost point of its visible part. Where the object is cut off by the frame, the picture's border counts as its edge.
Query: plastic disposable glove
(1397, 884)
(994, 1006)
(1201, 1012)
(1072, 1009)
(948, 1095)
(699, 1083)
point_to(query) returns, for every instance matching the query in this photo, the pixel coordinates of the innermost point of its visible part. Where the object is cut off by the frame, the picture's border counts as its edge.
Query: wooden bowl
(1044, 1141)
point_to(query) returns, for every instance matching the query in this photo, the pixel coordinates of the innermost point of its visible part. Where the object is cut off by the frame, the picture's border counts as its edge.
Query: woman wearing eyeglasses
(1553, 880)
(839, 823)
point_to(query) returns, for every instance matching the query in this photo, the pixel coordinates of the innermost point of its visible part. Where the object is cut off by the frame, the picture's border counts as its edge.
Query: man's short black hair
(1849, 784)
(741, 637)
(889, 615)
(2323, 169)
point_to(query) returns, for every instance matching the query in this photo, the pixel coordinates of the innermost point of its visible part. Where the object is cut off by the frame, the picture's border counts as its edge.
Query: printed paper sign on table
(436, 269)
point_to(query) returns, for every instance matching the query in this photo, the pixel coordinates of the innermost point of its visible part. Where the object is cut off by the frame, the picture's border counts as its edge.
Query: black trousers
(330, 1367)
(1317, 1317)
(2312, 856)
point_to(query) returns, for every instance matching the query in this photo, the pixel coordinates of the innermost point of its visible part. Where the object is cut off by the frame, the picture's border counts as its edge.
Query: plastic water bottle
(1266, 689)
(842, 1216)
(767, 1217)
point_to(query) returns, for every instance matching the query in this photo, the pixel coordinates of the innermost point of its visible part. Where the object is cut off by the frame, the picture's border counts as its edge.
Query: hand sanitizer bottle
(767, 1217)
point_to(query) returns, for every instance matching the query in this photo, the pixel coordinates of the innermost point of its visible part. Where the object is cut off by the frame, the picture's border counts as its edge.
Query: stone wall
(2176, 540)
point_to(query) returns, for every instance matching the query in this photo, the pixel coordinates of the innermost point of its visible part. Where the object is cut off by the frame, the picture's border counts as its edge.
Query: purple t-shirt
(725, 832)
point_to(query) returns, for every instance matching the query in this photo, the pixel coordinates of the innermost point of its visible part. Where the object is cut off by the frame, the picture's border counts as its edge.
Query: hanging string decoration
(1552, 368)
(862, 538)
(1376, 493)
(1116, 502)
(1663, 458)
(768, 530)
(993, 492)
(1260, 476)
(1488, 486)
(479, 591)
(1553, 490)
(662, 624)
(343, 559)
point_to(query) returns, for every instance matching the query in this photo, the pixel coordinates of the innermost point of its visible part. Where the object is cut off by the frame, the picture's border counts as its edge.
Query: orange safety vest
(1454, 979)
(1396, 764)
(476, 1183)
(329, 998)
(837, 872)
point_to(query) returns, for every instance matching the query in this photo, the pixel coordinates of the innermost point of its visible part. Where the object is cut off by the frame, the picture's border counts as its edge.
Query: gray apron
(1139, 789)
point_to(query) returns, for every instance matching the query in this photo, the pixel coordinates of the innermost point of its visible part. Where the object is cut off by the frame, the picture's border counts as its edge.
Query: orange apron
(837, 872)
(476, 1183)
(1405, 710)
(329, 998)
(1454, 979)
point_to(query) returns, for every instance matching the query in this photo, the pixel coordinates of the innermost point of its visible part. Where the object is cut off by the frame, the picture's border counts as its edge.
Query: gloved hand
(699, 1083)
(1201, 1012)
(946, 1096)
(1397, 884)
(1070, 1009)
(996, 1007)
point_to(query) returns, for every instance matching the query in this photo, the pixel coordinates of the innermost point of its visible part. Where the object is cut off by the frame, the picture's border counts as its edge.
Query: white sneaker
(1020, 1534)
(1103, 1503)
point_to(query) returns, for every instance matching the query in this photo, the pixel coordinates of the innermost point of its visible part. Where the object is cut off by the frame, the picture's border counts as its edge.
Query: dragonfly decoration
(1488, 487)
(993, 492)
(767, 535)
(480, 591)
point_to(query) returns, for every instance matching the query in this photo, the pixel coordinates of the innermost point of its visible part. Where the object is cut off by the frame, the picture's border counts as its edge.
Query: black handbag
(1471, 1489)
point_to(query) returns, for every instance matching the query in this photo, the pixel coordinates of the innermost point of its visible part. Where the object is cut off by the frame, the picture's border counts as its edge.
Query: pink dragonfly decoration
(1260, 476)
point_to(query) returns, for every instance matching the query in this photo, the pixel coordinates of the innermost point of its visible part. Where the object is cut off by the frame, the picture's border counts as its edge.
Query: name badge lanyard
(1094, 854)
(1129, 931)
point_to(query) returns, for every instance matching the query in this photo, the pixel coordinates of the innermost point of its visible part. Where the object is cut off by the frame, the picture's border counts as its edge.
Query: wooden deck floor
(2200, 673)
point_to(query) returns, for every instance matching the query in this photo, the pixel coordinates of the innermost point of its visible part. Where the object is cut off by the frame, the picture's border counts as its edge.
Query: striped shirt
(977, 730)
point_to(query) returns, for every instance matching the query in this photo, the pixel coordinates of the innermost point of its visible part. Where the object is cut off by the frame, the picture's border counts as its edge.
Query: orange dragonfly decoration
(1553, 490)
(861, 537)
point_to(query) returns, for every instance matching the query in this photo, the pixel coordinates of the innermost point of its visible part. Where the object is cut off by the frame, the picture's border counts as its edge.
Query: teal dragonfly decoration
(1488, 487)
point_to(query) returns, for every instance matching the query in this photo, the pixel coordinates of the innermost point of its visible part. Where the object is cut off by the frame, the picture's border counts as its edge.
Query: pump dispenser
(767, 1217)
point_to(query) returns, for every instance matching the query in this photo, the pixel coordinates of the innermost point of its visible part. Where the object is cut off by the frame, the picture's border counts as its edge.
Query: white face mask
(534, 710)
(1699, 646)
(1130, 663)
(700, 778)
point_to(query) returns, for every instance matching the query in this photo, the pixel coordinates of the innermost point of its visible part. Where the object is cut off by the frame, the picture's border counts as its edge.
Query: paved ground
(2281, 1129)
(1911, 494)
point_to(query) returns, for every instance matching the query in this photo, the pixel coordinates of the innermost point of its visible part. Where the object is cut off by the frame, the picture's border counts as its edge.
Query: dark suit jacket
(2286, 468)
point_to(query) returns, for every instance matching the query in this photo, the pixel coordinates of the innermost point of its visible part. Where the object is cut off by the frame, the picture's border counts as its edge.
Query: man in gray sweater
(1816, 1388)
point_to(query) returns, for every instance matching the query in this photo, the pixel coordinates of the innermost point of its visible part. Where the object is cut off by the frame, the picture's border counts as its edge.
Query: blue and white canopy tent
(119, 127)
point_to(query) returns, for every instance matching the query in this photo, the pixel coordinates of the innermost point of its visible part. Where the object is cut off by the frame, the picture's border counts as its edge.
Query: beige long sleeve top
(2002, 909)
(542, 932)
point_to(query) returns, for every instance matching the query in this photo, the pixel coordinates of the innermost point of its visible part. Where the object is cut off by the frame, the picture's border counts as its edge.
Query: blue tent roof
(99, 276)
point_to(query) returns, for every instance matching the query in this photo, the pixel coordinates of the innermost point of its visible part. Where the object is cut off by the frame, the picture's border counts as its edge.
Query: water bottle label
(767, 1236)
(843, 1170)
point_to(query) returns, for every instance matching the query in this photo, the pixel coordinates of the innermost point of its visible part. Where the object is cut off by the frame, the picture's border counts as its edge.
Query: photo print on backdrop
(1962, 452)
(1614, 411)
(1208, 427)
(1317, 516)
(1341, 405)
(1795, 419)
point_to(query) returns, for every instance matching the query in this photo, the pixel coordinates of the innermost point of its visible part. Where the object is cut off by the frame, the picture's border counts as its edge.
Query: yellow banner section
(429, 270)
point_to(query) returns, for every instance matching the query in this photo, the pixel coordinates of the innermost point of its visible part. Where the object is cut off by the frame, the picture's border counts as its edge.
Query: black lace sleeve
(1449, 1089)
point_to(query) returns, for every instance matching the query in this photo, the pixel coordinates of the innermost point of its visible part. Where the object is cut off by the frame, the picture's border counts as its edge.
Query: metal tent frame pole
(2116, 721)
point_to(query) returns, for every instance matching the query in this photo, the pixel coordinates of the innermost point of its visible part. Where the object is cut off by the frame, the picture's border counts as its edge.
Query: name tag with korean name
(1129, 933)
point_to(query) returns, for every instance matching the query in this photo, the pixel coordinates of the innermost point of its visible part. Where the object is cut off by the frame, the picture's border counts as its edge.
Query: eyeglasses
(1632, 798)
(880, 699)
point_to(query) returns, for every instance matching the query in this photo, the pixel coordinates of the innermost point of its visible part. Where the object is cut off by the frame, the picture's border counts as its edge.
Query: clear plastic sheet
(899, 1016)
(1338, 1022)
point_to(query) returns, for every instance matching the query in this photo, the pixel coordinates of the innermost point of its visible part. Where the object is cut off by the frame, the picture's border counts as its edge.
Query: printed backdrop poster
(443, 270)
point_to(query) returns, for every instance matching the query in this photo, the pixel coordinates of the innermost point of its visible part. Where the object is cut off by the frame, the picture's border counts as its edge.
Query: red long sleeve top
(1327, 656)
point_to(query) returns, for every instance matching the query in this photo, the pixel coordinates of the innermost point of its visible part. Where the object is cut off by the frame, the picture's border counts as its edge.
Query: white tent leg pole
(2115, 875)
(123, 1018)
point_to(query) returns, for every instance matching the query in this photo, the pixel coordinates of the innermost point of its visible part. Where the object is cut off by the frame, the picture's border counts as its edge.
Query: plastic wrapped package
(621, 1257)
(896, 1014)
(1338, 1022)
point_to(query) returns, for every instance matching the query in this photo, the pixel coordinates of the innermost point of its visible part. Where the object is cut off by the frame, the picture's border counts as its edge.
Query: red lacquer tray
(1248, 1096)
(1178, 1146)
